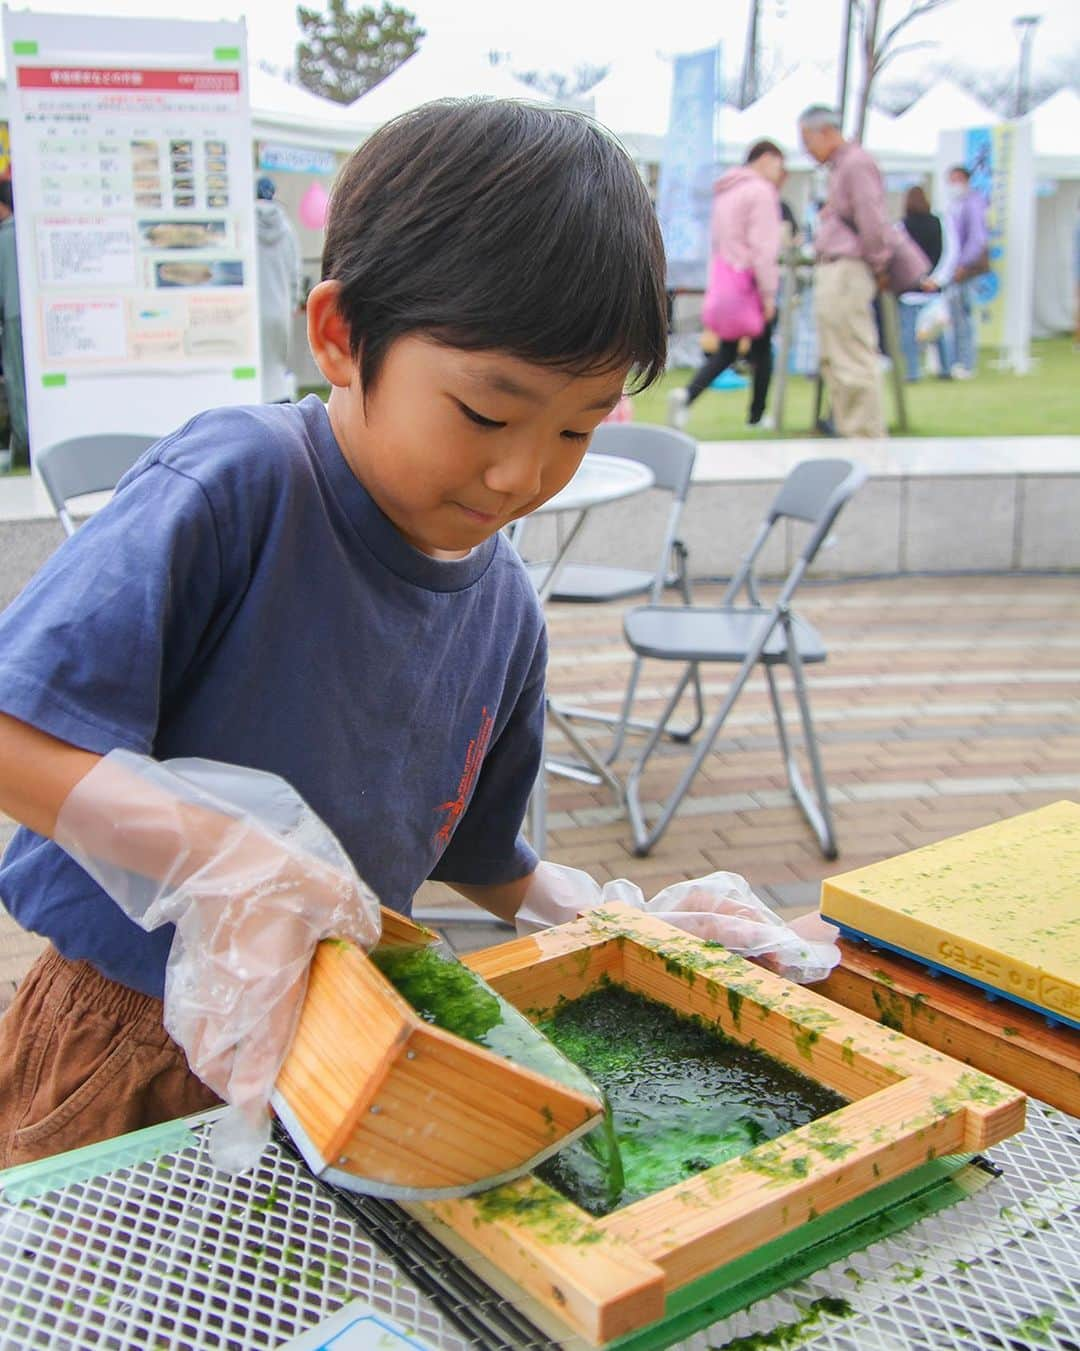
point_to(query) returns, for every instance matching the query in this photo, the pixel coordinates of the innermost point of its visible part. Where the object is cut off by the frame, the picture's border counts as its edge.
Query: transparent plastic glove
(556, 895)
(252, 880)
(720, 908)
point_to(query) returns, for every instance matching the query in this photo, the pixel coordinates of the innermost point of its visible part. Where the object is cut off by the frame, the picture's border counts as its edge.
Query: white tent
(289, 113)
(1055, 123)
(635, 95)
(437, 70)
(943, 106)
(775, 116)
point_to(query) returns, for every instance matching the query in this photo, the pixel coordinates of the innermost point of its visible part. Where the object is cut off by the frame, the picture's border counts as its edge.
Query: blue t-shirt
(243, 599)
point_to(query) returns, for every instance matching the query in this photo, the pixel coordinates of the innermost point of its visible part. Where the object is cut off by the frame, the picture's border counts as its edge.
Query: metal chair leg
(644, 839)
(621, 723)
(594, 769)
(817, 812)
(821, 821)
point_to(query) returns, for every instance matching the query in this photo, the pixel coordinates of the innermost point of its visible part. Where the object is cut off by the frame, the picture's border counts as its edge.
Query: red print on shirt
(474, 758)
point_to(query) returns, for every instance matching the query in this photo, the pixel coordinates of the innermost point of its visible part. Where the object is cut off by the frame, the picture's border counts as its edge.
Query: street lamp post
(1025, 25)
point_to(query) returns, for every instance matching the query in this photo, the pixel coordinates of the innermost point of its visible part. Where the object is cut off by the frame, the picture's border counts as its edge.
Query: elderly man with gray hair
(853, 244)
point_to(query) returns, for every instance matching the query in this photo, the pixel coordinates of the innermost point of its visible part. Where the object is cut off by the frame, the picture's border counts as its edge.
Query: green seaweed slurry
(791, 1334)
(682, 1098)
(603, 1144)
(449, 995)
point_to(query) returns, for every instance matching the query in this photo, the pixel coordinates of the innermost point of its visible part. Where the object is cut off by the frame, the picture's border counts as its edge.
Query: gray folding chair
(670, 456)
(748, 635)
(86, 464)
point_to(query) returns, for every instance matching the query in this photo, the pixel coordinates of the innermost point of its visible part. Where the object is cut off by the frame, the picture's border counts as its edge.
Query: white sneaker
(678, 409)
(765, 423)
(959, 372)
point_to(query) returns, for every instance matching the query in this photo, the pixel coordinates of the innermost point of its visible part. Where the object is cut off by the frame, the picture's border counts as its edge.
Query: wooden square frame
(603, 1278)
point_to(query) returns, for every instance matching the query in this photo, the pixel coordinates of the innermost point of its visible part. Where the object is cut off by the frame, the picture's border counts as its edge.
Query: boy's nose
(516, 474)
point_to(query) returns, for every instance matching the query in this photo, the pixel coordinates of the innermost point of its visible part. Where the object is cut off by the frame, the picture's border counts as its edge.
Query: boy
(321, 593)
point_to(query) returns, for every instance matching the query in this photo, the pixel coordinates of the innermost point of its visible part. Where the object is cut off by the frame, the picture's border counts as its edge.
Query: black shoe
(826, 427)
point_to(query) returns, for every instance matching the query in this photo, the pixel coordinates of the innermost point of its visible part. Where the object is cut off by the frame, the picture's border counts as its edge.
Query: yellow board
(999, 906)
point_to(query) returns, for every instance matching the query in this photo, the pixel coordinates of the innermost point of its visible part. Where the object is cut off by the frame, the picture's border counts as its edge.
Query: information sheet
(132, 168)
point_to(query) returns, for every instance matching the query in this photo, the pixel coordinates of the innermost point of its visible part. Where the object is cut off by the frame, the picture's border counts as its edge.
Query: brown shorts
(82, 1059)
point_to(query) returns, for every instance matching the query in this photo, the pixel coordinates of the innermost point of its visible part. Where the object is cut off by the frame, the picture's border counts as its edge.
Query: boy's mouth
(480, 517)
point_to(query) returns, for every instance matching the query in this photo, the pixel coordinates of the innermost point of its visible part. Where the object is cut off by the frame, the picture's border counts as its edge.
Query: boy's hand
(252, 880)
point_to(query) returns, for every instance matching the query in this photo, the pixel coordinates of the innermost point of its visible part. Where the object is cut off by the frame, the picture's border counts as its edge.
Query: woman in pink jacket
(746, 234)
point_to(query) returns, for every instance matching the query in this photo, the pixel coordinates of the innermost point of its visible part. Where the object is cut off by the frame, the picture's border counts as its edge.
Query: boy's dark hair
(961, 169)
(493, 224)
(760, 148)
(6, 198)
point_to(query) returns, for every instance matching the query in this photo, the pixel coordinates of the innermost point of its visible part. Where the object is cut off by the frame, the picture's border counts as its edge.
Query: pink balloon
(313, 206)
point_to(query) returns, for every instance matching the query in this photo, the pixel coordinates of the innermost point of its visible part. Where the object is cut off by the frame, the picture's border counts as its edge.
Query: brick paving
(946, 703)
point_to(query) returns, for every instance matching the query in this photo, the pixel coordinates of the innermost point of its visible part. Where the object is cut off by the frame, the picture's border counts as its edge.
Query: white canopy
(1054, 125)
(635, 95)
(438, 70)
(282, 111)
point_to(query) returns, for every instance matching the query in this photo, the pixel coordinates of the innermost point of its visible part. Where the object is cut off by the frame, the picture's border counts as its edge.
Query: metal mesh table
(166, 1252)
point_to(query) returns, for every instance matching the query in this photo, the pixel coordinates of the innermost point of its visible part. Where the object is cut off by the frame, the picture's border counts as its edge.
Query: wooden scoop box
(382, 1102)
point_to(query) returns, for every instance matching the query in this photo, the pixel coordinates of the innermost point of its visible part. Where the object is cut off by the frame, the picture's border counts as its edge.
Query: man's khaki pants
(847, 340)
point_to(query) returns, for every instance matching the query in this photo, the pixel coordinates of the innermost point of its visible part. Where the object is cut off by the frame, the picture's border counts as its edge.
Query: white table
(600, 479)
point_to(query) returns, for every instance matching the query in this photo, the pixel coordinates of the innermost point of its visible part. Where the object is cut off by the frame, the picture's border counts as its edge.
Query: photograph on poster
(148, 201)
(183, 234)
(225, 273)
(218, 200)
(216, 164)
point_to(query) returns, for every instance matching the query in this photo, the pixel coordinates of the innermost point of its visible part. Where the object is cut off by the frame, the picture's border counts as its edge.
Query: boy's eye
(577, 436)
(478, 418)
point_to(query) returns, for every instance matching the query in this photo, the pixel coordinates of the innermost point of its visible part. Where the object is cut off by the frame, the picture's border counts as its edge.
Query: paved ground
(945, 704)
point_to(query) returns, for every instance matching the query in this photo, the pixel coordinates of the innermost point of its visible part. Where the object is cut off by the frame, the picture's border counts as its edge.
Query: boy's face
(453, 445)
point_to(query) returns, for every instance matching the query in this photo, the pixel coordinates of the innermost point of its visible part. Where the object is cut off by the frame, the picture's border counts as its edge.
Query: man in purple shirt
(969, 249)
(853, 244)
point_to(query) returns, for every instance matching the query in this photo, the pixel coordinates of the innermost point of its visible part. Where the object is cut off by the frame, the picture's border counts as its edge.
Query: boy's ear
(328, 335)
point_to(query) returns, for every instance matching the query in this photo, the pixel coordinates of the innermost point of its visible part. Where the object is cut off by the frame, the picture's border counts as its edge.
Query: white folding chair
(670, 456)
(815, 492)
(86, 464)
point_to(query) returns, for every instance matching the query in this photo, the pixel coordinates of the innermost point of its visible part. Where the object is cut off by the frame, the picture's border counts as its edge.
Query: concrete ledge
(941, 505)
(948, 505)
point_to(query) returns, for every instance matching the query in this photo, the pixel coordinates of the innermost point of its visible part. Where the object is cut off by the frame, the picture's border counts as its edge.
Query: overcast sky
(560, 34)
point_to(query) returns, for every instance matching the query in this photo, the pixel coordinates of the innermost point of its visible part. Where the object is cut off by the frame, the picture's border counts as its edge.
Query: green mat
(876, 1215)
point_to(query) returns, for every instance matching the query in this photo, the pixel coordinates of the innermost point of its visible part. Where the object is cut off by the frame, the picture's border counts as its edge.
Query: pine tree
(345, 53)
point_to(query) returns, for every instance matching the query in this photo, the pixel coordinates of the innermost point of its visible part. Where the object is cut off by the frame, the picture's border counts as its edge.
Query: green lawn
(995, 403)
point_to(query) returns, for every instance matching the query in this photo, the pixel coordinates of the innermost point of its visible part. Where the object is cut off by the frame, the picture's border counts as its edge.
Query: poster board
(1000, 159)
(134, 218)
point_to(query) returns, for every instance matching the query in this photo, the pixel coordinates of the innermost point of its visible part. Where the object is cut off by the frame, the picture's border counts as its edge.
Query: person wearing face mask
(746, 240)
(970, 242)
